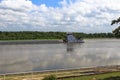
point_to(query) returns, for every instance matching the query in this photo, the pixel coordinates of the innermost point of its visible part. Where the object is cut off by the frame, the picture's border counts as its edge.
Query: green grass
(100, 76)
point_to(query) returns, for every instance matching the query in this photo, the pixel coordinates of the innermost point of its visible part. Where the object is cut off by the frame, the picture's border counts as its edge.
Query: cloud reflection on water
(20, 58)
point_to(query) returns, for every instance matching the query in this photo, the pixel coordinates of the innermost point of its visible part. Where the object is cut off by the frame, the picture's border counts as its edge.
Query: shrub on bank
(111, 78)
(50, 77)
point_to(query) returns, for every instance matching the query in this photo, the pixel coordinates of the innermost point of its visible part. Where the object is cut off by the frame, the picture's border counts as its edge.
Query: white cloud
(74, 15)
(22, 5)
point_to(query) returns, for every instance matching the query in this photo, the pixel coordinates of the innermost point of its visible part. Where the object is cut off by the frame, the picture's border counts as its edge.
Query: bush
(50, 77)
(111, 78)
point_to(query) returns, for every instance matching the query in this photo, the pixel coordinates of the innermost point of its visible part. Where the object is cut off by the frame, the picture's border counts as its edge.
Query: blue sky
(49, 3)
(88, 16)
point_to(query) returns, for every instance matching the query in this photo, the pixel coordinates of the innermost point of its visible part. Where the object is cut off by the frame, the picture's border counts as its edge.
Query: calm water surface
(39, 57)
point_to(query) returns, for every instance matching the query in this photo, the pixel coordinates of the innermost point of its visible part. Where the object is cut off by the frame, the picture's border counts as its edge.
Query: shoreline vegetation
(100, 72)
(34, 35)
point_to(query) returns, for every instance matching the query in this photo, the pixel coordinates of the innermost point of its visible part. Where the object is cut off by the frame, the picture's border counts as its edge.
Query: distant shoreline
(30, 41)
(33, 35)
(45, 41)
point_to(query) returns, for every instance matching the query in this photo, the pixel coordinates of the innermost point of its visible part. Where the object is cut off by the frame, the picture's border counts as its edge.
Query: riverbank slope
(62, 74)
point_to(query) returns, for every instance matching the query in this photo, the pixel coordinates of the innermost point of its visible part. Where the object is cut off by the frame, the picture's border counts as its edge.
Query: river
(17, 58)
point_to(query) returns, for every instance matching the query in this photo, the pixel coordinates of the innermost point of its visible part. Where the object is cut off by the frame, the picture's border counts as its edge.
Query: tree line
(30, 35)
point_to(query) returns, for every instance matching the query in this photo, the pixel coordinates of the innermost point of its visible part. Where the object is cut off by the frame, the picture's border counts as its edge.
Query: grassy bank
(97, 77)
(42, 75)
(72, 74)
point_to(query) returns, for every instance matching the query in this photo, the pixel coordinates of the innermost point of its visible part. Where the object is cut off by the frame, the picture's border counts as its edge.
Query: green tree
(117, 30)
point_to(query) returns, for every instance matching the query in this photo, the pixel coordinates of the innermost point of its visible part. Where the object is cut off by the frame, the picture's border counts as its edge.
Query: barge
(70, 38)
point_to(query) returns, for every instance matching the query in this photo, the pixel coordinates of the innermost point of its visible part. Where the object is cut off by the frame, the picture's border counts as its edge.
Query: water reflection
(33, 57)
(70, 47)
